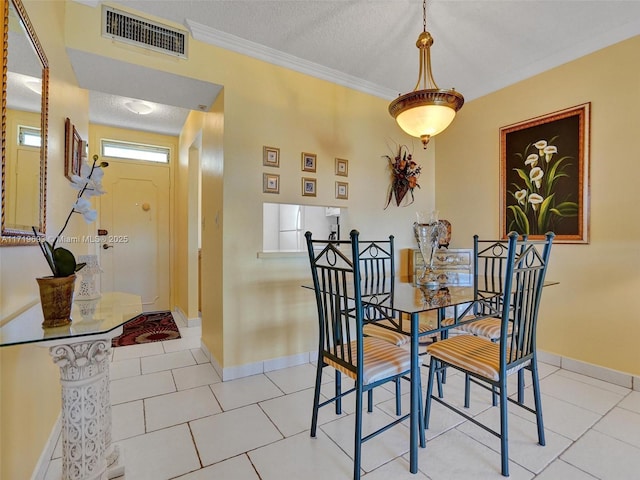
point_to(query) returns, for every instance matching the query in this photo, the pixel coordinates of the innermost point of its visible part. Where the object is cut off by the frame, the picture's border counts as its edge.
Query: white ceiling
(479, 45)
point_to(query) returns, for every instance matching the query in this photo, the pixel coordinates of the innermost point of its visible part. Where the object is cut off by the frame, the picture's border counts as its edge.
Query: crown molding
(236, 44)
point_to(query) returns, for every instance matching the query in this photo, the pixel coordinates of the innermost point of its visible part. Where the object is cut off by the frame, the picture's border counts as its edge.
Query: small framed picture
(72, 158)
(342, 190)
(308, 187)
(271, 156)
(308, 162)
(342, 167)
(270, 183)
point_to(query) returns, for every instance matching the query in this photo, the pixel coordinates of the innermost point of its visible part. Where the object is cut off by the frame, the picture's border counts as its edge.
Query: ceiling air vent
(138, 31)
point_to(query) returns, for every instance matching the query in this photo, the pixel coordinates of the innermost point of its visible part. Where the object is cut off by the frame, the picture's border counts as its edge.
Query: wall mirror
(25, 85)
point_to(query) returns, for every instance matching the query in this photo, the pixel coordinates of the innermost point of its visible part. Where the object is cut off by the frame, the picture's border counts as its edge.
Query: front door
(134, 211)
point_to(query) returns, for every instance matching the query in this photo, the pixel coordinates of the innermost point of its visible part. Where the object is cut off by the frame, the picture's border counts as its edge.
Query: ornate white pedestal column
(87, 451)
(82, 351)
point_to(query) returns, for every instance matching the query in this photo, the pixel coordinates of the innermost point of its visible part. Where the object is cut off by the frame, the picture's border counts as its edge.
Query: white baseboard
(605, 374)
(189, 322)
(595, 371)
(40, 472)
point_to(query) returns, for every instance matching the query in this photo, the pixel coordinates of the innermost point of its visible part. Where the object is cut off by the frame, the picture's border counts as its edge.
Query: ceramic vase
(56, 298)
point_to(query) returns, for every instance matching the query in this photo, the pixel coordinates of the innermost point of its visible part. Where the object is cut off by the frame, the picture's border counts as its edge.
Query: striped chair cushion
(474, 354)
(394, 336)
(381, 360)
(487, 327)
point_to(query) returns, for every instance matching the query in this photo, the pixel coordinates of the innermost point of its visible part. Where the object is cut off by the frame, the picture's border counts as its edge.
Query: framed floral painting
(544, 170)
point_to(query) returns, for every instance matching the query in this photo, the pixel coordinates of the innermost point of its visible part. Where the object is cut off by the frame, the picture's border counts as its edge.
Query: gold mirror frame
(10, 236)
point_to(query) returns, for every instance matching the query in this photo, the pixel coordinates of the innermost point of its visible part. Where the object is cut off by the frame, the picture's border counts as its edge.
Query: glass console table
(82, 351)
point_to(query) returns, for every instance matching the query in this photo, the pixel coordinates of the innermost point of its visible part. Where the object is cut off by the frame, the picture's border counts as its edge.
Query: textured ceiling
(480, 45)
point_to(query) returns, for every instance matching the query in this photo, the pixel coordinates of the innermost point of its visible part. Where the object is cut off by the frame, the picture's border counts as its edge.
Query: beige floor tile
(195, 376)
(631, 402)
(302, 457)
(604, 457)
(245, 391)
(559, 470)
(523, 439)
(183, 343)
(397, 469)
(158, 363)
(143, 386)
(127, 420)
(231, 433)
(456, 456)
(294, 379)
(621, 424)
(376, 451)
(559, 416)
(580, 393)
(137, 351)
(125, 368)
(160, 455)
(174, 408)
(236, 468)
(292, 413)
(199, 355)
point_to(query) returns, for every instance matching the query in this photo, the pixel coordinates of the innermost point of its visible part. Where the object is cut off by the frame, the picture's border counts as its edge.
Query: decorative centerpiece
(56, 291)
(428, 232)
(88, 289)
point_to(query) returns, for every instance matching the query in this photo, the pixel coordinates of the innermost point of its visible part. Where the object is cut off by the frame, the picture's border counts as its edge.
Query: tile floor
(175, 419)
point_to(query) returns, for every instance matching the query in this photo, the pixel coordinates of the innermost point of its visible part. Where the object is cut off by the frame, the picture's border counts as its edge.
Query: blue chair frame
(524, 275)
(340, 286)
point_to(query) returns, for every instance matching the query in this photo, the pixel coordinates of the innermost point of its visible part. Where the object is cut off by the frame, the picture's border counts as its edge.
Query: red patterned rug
(148, 327)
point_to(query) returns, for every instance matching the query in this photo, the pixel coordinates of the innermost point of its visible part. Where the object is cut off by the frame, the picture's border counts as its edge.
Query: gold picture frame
(308, 187)
(342, 190)
(544, 176)
(270, 183)
(309, 162)
(342, 167)
(270, 156)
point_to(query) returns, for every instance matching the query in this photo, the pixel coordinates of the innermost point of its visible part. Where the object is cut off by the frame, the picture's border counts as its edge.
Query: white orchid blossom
(83, 206)
(89, 183)
(521, 196)
(536, 175)
(532, 160)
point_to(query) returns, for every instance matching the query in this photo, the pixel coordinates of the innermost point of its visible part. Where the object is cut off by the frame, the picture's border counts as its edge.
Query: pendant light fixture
(428, 110)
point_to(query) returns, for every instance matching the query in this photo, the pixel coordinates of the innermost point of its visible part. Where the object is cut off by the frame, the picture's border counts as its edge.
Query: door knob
(105, 246)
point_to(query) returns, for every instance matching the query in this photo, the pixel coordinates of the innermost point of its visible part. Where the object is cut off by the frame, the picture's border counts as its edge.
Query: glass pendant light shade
(426, 112)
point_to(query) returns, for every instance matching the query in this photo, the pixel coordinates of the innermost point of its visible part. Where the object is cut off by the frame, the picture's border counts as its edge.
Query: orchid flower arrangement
(89, 183)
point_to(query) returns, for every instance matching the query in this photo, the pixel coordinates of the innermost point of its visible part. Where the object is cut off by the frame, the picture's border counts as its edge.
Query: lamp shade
(425, 113)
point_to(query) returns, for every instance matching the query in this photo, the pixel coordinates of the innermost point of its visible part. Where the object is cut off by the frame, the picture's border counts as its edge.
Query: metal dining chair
(488, 363)
(342, 295)
(489, 262)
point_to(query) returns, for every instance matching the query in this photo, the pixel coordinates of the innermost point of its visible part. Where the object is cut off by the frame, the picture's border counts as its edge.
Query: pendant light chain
(424, 15)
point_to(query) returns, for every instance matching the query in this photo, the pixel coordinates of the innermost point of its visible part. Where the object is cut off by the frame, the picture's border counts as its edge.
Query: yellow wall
(591, 316)
(30, 392)
(261, 303)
